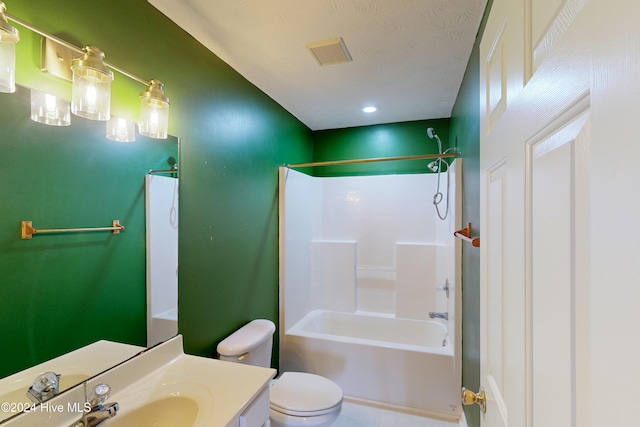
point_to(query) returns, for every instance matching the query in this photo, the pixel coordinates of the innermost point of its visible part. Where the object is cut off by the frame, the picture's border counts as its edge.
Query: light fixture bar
(72, 47)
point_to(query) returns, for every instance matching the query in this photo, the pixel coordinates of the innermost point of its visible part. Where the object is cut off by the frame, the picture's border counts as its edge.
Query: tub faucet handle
(444, 287)
(434, 315)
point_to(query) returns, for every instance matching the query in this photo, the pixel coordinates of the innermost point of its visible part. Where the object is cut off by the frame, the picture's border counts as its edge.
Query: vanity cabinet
(257, 413)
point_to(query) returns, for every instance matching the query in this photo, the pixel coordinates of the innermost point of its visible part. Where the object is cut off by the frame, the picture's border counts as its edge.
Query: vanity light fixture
(91, 91)
(91, 76)
(154, 111)
(49, 109)
(9, 36)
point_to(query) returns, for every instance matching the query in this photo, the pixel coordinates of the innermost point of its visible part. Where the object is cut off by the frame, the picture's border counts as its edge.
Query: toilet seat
(304, 395)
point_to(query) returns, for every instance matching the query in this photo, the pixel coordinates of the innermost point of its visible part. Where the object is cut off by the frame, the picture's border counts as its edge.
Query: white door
(560, 93)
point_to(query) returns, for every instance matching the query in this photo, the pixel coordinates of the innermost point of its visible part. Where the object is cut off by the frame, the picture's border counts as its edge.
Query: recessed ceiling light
(370, 109)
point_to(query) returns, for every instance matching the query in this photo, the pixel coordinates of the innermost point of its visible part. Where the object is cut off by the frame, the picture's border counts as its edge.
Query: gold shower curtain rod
(28, 231)
(372, 160)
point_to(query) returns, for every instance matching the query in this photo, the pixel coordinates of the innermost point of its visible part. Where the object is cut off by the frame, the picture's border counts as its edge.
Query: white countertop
(222, 390)
(74, 368)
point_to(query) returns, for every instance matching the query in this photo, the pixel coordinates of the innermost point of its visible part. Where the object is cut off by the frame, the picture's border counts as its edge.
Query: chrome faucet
(444, 315)
(99, 411)
(44, 387)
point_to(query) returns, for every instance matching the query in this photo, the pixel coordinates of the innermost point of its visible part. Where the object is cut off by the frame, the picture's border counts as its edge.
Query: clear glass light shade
(121, 130)
(49, 110)
(91, 91)
(9, 36)
(7, 67)
(154, 120)
(154, 112)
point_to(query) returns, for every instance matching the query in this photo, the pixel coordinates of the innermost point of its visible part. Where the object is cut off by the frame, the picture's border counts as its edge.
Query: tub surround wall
(161, 212)
(296, 225)
(337, 283)
(332, 281)
(372, 245)
(414, 260)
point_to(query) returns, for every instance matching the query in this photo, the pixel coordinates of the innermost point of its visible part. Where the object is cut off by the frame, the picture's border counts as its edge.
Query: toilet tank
(250, 345)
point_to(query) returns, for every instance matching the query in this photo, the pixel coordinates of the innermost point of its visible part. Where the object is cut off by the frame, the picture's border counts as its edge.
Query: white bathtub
(392, 361)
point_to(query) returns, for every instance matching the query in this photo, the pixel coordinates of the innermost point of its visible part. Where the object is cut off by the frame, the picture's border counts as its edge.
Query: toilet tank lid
(247, 338)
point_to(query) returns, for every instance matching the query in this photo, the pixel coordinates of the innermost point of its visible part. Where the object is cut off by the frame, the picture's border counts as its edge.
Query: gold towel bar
(465, 234)
(28, 230)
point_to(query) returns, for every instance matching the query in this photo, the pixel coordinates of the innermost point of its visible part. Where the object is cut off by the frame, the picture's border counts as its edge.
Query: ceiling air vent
(328, 52)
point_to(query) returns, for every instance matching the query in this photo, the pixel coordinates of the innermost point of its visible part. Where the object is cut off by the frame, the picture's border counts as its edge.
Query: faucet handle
(45, 386)
(444, 287)
(98, 395)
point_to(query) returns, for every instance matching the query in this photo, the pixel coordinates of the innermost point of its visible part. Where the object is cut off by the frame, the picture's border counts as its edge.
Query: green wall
(387, 140)
(233, 138)
(465, 133)
(60, 292)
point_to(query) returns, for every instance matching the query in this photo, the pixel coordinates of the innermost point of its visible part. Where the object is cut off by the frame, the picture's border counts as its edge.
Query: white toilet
(296, 398)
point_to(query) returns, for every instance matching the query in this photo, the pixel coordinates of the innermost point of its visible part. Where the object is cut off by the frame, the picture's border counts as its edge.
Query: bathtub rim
(298, 330)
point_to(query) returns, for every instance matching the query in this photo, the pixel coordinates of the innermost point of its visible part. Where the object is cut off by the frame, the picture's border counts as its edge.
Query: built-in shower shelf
(465, 234)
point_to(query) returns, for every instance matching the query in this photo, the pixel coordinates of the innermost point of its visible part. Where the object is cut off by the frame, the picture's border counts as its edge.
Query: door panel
(496, 76)
(493, 325)
(557, 171)
(550, 19)
(569, 290)
(535, 221)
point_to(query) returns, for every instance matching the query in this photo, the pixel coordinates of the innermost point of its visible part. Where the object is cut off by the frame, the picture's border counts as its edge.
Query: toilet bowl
(300, 399)
(296, 398)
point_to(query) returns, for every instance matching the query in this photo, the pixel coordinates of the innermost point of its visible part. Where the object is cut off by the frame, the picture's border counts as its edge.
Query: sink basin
(172, 411)
(163, 404)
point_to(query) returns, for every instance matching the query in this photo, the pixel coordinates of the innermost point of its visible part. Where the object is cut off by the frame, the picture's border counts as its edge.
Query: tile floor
(359, 415)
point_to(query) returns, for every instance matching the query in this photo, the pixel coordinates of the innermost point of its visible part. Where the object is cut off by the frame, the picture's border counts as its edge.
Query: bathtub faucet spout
(433, 315)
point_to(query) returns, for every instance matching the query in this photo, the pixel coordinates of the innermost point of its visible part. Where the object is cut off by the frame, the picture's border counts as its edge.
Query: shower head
(432, 134)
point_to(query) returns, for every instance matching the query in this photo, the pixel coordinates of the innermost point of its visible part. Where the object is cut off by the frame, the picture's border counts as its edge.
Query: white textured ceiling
(409, 56)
